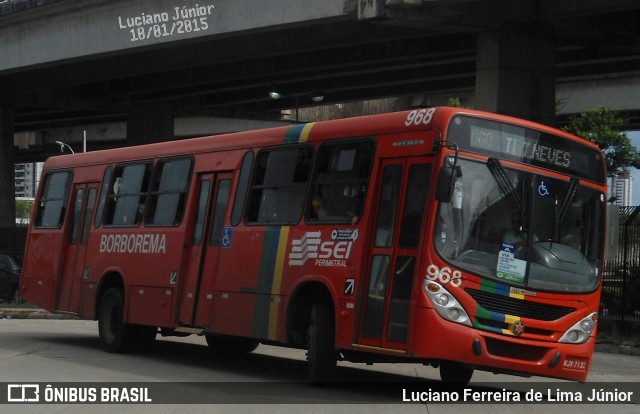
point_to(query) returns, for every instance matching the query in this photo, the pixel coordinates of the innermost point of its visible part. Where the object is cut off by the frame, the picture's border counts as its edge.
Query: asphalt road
(181, 374)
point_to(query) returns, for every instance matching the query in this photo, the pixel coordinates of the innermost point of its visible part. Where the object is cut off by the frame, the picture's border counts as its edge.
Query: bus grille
(515, 351)
(517, 307)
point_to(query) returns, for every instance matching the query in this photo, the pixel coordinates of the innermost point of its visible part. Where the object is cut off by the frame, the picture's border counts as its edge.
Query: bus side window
(51, 207)
(127, 194)
(77, 211)
(279, 185)
(241, 190)
(169, 192)
(416, 200)
(104, 190)
(219, 210)
(340, 184)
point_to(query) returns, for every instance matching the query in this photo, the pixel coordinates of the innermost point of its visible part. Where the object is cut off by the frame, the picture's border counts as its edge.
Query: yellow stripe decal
(304, 135)
(510, 320)
(516, 294)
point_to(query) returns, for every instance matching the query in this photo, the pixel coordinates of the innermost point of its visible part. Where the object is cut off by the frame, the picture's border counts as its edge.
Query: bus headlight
(445, 304)
(580, 332)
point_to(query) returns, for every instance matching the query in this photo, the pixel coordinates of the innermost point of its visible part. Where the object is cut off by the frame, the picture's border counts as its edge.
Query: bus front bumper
(438, 339)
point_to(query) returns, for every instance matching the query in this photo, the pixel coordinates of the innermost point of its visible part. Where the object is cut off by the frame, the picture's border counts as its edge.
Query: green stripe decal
(265, 282)
(298, 133)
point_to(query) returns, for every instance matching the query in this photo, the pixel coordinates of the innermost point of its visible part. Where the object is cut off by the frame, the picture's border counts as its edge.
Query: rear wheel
(321, 353)
(112, 329)
(117, 336)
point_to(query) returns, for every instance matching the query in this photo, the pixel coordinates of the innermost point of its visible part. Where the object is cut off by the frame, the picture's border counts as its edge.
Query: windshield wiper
(564, 208)
(505, 185)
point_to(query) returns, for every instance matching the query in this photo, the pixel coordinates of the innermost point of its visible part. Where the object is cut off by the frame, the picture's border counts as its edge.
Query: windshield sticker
(510, 268)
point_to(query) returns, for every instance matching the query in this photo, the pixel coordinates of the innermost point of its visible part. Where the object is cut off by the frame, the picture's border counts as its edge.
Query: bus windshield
(523, 229)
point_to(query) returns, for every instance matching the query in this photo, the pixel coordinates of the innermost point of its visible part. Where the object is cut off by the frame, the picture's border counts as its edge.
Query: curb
(31, 313)
(623, 349)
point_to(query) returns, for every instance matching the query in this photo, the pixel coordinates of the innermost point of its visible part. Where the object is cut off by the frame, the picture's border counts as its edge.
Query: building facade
(621, 189)
(27, 177)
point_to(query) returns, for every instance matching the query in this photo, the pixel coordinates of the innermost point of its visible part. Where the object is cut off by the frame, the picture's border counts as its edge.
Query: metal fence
(620, 302)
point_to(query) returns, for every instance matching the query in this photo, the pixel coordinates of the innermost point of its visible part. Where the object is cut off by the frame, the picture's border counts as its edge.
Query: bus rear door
(403, 185)
(207, 238)
(73, 271)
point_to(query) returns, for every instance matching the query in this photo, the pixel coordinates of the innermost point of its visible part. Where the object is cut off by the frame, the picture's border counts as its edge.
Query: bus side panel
(247, 286)
(88, 300)
(237, 283)
(40, 270)
(234, 313)
(150, 305)
(146, 260)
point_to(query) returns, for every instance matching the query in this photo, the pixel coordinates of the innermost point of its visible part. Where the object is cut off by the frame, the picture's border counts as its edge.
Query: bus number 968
(420, 117)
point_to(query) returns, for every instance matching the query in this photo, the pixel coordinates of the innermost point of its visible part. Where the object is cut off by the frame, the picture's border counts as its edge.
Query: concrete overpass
(144, 65)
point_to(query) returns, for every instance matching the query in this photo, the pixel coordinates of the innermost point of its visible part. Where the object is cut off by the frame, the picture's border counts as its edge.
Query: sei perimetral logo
(334, 252)
(23, 393)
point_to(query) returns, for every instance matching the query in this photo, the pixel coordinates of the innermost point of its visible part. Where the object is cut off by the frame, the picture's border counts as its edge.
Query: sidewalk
(31, 313)
(623, 349)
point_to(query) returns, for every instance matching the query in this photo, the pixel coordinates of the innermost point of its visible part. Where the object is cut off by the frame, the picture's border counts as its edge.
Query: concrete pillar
(515, 74)
(150, 122)
(7, 169)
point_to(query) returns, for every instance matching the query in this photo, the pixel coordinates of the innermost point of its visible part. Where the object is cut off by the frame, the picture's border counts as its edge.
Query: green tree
(603, 127)
(23, 208)
(454, 102)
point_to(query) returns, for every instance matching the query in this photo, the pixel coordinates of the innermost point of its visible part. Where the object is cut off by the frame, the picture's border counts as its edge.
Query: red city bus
(450, 237)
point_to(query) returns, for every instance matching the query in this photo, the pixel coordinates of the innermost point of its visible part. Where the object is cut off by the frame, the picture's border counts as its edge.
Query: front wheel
(455, 372)
(321, 344)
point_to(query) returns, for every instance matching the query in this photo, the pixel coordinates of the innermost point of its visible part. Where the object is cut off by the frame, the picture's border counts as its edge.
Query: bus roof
(338, 128)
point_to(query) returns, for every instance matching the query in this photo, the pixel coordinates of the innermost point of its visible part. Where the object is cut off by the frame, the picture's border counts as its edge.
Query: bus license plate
(579, 364)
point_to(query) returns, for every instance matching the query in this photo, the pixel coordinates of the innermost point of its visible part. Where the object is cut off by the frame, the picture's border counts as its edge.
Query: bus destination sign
(513, 143)
(528, 146)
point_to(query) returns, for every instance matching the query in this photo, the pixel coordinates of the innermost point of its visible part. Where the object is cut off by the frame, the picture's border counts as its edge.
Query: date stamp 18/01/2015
(176, 21)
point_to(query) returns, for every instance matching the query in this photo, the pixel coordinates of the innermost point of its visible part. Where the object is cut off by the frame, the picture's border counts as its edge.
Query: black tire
(117, 336)
(111, 326)
(321, 353)
(455, 373)
(219, 344)
(144, 337)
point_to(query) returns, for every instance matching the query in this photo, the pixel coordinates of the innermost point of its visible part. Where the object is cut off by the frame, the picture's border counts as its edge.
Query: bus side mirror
(446, 183)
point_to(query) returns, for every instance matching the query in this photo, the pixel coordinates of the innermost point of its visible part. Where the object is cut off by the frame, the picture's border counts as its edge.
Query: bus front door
(207, 237)
(73, 271)
(403, 186)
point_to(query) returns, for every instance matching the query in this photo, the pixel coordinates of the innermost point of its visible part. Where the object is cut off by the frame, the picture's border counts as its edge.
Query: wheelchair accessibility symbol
(226, 237)
(543, 189)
